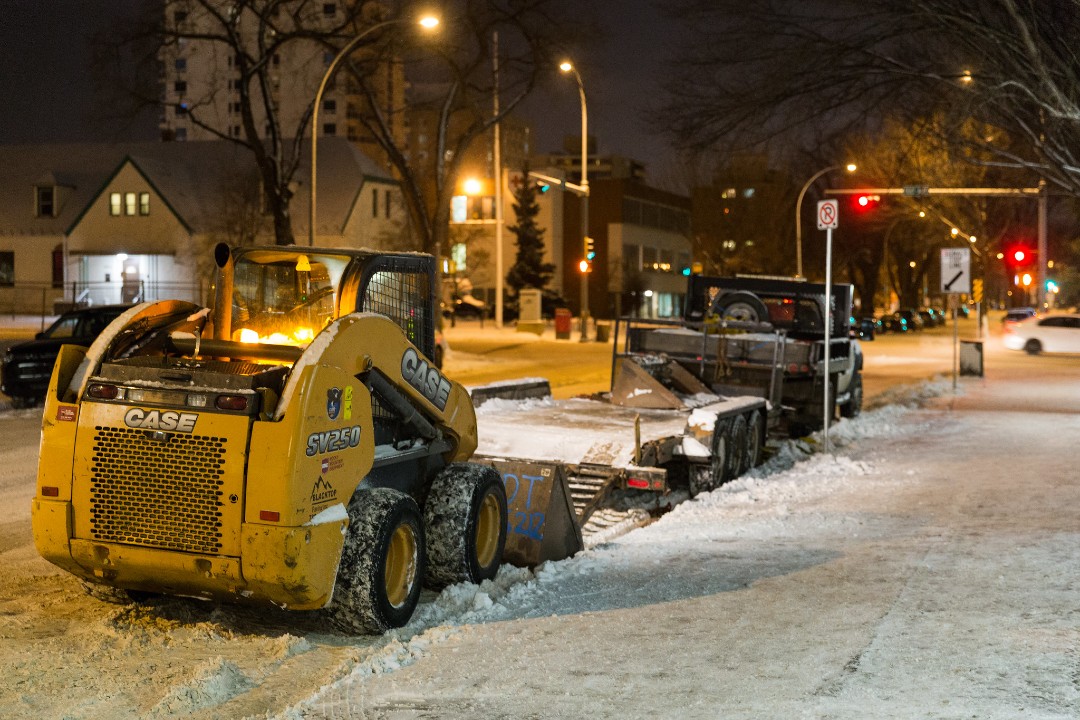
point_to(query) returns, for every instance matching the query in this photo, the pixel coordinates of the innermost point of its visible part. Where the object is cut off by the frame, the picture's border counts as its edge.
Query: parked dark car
(865, 328)
(906, 320)
(26, 368)
(1018, 314)
(465, 306)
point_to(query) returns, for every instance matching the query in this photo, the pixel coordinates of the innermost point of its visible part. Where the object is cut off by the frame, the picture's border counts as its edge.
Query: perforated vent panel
(157, 494)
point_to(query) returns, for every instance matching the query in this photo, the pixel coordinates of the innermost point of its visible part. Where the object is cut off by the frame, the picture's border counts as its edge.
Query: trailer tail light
(637, 483)
(101, 391)
(50, 491)
(232, 402)
(269, 515)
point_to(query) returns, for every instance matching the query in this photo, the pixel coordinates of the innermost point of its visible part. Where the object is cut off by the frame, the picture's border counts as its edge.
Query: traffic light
(590, 248)
(542, 186)
(866, 202)
(585, 266)
(1018, 256)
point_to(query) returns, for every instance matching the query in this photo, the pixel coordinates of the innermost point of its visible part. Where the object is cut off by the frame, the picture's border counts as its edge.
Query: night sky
(47, 92)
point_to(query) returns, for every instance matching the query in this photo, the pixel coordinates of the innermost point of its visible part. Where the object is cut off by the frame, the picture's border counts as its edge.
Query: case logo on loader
(157, 420)
(425, 378)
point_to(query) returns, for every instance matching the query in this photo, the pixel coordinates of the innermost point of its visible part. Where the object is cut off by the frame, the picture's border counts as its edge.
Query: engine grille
(157, 494)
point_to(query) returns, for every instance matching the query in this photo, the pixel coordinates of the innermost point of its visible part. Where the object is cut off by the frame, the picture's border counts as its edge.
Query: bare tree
(456, 87)
(754, 70)
(255, 34)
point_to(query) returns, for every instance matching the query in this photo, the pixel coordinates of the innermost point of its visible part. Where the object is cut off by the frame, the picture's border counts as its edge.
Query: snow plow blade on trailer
(578, 463)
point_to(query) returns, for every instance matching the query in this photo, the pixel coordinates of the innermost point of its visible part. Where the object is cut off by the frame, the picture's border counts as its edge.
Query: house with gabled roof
(99, 223)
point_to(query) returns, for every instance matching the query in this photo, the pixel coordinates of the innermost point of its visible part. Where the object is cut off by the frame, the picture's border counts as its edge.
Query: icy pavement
(926, 569)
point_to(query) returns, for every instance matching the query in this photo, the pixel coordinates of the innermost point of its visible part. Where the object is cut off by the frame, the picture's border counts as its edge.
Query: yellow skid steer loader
(294, 445)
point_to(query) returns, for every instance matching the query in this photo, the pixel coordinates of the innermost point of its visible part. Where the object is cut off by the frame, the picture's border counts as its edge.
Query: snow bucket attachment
(542, 523)
(652, 381)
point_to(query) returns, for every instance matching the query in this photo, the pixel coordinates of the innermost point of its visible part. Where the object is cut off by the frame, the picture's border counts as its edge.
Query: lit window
(116, 204)
(728, 193)
(459, 256)
(748, 193)
(130, 200)
(144, 203)
(459, 208)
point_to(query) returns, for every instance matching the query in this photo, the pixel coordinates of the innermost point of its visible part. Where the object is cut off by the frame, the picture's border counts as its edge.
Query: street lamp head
(472, 186)
(429, 22)
(566, 66)
(851, 167)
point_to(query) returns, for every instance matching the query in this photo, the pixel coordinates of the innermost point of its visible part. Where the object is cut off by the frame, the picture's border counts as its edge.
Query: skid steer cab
(293, 445)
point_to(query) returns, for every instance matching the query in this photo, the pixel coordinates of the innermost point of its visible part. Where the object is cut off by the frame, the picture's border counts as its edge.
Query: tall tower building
(203, 81)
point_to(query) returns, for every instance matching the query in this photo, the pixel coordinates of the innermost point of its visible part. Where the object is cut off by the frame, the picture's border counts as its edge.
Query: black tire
(707, 477)
(465, 519)
(755, 439)
(741, 306)
(736, 460)
(1033, 347)
(382, 563)
(853, 407)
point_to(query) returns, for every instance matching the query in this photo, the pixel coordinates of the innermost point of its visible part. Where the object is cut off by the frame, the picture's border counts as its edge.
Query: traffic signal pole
(919, 191)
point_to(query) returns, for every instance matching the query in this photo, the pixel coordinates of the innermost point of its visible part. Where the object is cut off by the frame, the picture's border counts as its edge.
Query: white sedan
(1052, 333)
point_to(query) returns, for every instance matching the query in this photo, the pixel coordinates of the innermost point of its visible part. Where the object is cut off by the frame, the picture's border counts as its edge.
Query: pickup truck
(765, 337)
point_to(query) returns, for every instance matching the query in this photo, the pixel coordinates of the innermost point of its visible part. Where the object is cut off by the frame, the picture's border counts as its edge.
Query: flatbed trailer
(564, 461)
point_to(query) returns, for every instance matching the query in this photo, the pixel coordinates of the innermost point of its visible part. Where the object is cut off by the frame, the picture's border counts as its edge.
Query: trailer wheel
(736, 459)
(704, 478)
(465, 520)
(382, 563)
(853, 407)
(741, 306)
(755, 439)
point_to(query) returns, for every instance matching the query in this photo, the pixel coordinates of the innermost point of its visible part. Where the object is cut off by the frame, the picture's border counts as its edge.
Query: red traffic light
(1019, 255)
(865, 202)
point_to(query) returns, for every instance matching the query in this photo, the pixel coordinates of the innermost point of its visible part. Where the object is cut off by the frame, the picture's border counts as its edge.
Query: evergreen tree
(529, 270)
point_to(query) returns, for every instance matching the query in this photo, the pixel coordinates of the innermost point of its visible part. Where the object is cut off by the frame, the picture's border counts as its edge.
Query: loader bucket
(637, 387)
(542, 524)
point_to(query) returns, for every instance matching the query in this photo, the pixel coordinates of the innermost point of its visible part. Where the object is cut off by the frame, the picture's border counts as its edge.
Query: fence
(46, 300)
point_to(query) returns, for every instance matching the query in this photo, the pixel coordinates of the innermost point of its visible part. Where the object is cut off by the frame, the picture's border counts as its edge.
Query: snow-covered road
(926, 569)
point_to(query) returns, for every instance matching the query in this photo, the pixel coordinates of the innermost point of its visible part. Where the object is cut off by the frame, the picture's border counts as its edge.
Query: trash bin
(603, 332)
(563, 321)
(971, 358)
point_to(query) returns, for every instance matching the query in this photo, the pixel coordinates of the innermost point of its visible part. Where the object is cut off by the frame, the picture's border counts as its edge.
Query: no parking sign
(828, 215)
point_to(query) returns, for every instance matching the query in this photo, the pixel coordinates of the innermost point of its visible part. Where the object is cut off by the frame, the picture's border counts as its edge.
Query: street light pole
(427, 22)
(569, 67)
(798, 213)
